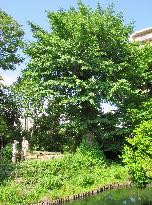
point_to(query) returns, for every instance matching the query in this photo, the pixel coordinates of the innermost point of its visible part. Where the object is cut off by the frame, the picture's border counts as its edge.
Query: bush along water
(72, 174)
(137, 154)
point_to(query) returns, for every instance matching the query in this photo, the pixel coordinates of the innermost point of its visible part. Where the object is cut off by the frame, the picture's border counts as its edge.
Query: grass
(32, 181)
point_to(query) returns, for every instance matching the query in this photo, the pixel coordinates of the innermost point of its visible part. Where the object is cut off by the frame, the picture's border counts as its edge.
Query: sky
(34, 10)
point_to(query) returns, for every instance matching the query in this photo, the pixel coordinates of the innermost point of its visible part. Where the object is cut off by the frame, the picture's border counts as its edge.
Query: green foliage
(91, 153)
(6, 152)
(10, 126)
(138, 108)
(110, 134)
(72, 174)
(11, 36)
(143, 112)
(45, 132)
(84, 60)
(3, 126)
(53, 182)
(137, 154)
(11, 40)
(6, 171)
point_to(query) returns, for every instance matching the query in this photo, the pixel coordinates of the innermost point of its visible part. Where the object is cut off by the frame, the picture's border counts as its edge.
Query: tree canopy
(85, 59)
(11, 36)
(11, 40)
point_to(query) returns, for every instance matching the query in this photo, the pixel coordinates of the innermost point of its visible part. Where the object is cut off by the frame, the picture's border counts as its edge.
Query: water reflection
(128, 196)
(147, 203)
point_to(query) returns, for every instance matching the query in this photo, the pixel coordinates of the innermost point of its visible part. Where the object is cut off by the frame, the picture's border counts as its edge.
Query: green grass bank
(32, 181)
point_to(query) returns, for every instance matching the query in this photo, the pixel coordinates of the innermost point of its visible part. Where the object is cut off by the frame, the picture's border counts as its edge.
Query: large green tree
(84, 60)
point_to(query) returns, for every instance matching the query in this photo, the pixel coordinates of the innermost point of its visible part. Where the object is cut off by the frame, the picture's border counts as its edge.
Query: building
(144, 35)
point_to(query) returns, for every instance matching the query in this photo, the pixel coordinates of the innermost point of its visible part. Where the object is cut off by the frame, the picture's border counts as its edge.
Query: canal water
(126, 196)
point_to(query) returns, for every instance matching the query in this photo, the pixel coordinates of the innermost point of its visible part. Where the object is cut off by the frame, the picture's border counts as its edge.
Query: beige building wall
(143, 36)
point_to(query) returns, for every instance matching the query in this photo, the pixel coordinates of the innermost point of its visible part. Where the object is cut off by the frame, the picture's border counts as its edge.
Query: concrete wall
(143, 36)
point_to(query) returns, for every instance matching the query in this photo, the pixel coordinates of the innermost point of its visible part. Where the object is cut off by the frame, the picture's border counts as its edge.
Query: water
(127, 196)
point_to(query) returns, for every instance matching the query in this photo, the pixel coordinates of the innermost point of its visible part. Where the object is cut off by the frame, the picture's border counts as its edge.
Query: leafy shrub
(50, 182)
(85, 179)
(137, 154)
(91, 151)
(7, 152)
(86, 157)
(72, 174)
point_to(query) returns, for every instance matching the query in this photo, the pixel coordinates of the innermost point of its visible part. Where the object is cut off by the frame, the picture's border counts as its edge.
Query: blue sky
(34, 10)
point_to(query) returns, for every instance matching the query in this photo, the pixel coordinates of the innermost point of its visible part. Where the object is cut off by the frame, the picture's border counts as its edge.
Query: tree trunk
(90, 137)
(1, 146)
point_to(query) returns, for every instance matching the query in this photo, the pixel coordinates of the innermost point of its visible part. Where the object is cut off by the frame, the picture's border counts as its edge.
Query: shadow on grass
(6, 171)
